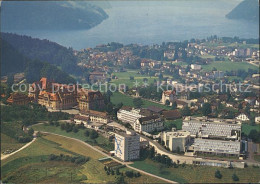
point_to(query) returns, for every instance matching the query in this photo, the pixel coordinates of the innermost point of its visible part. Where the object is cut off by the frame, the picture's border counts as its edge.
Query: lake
(154, 22)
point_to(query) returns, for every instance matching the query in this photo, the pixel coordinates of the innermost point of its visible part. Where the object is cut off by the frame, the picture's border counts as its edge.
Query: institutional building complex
(176, 140)
(60, 96)
(210, 128)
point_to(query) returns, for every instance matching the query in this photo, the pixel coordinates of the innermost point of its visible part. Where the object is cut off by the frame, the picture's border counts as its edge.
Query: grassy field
(246, 128)
(9, 143)
(228, 66)
(199, 174)
(31, 165)
(100, 141)
(124, 78)
(128, 101)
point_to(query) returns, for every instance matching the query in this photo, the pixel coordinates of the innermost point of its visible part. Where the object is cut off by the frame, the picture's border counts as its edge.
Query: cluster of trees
(29, 114)
(254, 135)
(163, 159)
(150, 92)
(242, 73)
(91, 133)
(70, 127)
(112, 171)
(74, 159)
(219, 176)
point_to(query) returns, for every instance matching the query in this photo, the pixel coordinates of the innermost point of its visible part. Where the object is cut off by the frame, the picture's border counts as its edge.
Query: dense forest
(44, 50)
(50, 15)
(13, 62)
(247, 10)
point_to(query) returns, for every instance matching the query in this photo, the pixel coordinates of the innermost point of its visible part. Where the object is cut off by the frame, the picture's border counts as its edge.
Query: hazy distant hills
(247, 10)
(50, 15)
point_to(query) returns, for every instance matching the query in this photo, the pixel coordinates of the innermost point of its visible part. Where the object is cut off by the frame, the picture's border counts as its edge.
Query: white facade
(203, 127)
(176, 139)
(257, 120)
(127, 146)
(195, 67)
(128, 116)
(242, 117)
(148, 124)
(216, 146)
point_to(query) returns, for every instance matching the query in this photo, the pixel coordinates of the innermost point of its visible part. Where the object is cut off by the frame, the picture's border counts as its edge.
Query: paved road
(124, 163)
(25, 146)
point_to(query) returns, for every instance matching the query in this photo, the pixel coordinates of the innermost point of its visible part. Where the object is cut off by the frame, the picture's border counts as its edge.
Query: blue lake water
(149, 22)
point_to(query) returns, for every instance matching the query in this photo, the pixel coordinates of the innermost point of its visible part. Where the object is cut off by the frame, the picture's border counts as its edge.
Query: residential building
(148, 124)
(212, 127)
(168, 95)
(243, 117)
(127, 145)
(18, 99)
(195, 67)
(96, 116)
(257, 120)
(176, 140)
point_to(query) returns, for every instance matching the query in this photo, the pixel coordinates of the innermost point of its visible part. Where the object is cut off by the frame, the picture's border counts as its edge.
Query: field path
(123, 163)
(25, 146)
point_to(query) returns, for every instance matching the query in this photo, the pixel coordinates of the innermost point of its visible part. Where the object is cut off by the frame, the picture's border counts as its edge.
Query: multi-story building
(128, 115)
(168, 95)
(96, 116)
(90, 100)
(127, 146)
(18, 99)
(61, 96)
(148, 124)
(220, 147)
(176, 140)
(195, 67)
(212, 128)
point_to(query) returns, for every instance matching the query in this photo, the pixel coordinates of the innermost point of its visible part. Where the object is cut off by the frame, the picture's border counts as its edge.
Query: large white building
(195, 67)
(127, 146)
(212, 128)
(175, 140)
(148, 124)
(212, 146)
(129, 115)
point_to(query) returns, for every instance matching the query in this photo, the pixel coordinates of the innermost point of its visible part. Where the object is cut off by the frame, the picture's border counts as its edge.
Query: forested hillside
(12, 61)
(247, 10)
(44, 50)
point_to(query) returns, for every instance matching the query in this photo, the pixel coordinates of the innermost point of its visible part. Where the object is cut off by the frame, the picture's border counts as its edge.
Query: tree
(254, 135)
(174, 105)
(93, 134)
(186, 111)
(235, 177)
(129, 174)
(137, 102)
(86, 133)
(30, 132)
(218, 174)
(206, 109)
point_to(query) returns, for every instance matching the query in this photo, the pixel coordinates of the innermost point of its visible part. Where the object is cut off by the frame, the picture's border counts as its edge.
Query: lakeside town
(183, 125)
